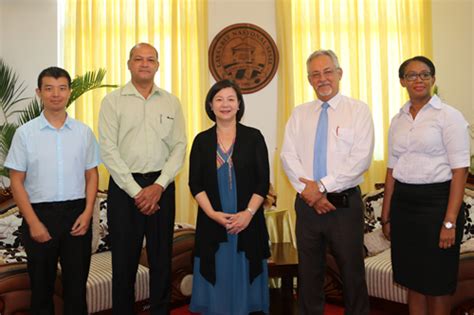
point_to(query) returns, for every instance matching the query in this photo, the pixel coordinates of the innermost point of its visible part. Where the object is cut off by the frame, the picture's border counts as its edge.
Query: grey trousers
(343, 231)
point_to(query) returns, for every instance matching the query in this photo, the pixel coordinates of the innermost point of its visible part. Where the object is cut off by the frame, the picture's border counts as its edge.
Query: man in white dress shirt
(328, 145)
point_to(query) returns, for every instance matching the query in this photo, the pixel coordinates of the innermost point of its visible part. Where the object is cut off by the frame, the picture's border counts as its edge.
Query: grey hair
(323, 52)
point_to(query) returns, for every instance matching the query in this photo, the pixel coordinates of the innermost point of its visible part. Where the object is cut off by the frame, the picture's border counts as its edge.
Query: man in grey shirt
(142, 144)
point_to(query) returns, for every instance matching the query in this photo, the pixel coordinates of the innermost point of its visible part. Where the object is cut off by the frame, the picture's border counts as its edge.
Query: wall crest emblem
(246, 54)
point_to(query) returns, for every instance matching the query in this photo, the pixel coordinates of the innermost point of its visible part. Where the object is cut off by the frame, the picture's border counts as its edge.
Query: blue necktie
(321, 144)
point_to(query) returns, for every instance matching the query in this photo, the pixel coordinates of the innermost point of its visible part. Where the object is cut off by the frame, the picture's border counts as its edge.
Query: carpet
(330, 309)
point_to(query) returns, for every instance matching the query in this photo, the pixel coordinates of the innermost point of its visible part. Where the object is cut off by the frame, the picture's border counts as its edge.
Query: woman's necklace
(227, 156)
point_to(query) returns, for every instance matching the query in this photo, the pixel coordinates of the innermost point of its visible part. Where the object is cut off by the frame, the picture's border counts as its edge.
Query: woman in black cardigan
(229, 178)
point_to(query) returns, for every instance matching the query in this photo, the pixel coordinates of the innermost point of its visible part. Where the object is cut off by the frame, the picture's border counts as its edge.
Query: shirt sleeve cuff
(92, 165)
(13, 166)
(458, 162)
(329, 183)
(163, 180)
(132, 189)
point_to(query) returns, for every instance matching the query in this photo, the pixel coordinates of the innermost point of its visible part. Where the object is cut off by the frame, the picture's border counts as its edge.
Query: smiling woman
(423, 209)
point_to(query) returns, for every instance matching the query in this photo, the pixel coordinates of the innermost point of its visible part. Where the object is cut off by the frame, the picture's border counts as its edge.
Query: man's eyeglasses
(329, 73)
(412, 76)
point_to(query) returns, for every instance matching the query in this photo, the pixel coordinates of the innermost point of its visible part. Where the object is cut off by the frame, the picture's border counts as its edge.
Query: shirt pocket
(344, 139)
(165, 125)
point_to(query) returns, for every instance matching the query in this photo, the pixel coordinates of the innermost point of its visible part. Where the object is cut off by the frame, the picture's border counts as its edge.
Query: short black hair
(56, 73)
(215, 89)
(423, 59)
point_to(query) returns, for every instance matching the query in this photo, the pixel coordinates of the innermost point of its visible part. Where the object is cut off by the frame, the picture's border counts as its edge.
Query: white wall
(28, 37)
(453, 34)
(260, 107)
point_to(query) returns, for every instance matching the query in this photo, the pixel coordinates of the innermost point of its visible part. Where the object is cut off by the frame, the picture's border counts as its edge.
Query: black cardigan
(250, 161)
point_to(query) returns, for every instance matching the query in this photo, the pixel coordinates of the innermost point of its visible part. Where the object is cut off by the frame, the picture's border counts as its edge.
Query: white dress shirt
(425, 149)
(350, 143)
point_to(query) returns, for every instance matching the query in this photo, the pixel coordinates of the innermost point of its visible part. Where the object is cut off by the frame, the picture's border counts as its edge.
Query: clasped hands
(314, 198)
(234, 223)
(147, 199)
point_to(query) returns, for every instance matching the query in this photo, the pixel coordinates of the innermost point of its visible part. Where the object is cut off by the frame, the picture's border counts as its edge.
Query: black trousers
(343, 231)
(73, 253)
(127, 227)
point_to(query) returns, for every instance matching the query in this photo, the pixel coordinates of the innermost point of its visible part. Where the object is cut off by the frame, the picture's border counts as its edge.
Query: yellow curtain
(100, 34)
(371, 39)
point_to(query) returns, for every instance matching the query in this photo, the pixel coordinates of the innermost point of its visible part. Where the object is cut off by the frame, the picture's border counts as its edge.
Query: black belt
(59, 204)
(341, 199)
(147, 175)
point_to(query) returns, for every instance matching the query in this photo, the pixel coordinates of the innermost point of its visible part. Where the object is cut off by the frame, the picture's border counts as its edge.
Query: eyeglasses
(327, 74)
(412, 76)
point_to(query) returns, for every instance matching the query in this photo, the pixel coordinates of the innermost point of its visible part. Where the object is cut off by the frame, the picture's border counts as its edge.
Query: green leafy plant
(11, 94)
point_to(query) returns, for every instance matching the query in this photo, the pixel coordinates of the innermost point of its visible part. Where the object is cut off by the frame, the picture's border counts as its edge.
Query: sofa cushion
(373, 209)
(375, 242)
(99, 283)
(11, 246)
(10, 222)
(468, 232)
(379, 277)
(100, 228)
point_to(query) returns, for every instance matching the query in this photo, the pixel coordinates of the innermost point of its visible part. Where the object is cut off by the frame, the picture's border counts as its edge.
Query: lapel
(211, 153)
(237, 145)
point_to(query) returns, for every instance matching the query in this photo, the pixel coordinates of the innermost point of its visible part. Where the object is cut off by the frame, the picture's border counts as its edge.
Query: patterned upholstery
(99, 283)
(378, 268)
(378, 273)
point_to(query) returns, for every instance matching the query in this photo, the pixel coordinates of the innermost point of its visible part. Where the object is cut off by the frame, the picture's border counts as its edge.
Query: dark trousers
(128, 226)
(342, 230)
(73, 253)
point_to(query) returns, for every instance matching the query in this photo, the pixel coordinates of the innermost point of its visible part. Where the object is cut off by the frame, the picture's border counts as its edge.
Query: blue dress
(233, 294)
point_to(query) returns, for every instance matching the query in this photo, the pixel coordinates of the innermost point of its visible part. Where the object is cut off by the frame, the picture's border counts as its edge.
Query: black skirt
(417, 214)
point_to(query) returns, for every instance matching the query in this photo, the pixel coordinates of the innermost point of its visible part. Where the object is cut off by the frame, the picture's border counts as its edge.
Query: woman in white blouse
(423, 212)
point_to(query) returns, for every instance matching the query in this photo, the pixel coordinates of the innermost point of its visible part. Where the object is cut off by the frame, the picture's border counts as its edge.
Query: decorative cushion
(375, 242)
(103, 228)
(373, 209)
(11, 247)
(13, 255)
(469, 215)
(96, 221)
(467, 246)
(10, 223)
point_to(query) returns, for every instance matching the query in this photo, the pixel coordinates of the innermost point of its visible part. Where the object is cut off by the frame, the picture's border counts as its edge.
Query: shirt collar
(333, 102)
(44, 123)
(434, 102)
(130, 89)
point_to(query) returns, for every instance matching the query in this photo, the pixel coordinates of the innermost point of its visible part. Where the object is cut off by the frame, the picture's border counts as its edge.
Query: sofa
(14, 281)
(382, 290)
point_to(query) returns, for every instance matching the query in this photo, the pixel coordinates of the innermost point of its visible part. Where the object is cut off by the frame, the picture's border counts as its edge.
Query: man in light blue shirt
(53, 172)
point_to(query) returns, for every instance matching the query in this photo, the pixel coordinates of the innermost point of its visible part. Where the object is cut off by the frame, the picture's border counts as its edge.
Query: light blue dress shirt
(55, 160)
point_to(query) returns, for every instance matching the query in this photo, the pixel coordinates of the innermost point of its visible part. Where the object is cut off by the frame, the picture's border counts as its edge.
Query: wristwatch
(449, 225)
(321, 187)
